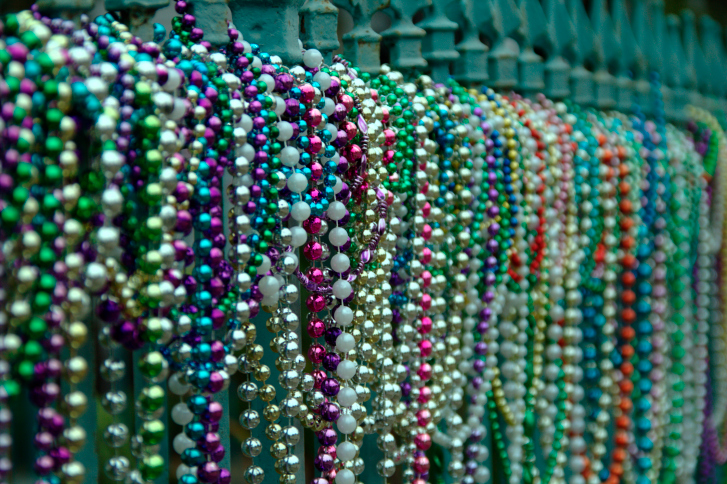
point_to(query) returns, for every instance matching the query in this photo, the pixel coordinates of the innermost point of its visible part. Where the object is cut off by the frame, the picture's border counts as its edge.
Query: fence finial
(213, 17)
(533, 31)
(676, 71)
(502, 61)
(319, 27)
(630, 60)
(561, 35)
(362, 45)
(607, 48)
(697, 71)
(714, 54)
(65, 8)
(581, 80)
(472, 66)
(272, 24)
(403, 38)
(439, 43)
(138, 14)
(643, 36)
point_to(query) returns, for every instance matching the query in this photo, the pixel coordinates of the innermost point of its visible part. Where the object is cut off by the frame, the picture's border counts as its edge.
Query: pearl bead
(340, 263)
(289, 155)
(297, 183)
(347, 396)
(346, 424)
(342, 289)
(313, 58)
(345, 342)
(346, 451)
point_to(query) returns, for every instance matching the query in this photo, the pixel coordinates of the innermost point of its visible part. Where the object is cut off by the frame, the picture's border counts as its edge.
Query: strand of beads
(550, 403)
(44, 224)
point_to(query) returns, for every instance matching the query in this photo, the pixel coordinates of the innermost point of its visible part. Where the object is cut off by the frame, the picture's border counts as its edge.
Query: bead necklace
(684, 233)
(551, 414)
(42, 221)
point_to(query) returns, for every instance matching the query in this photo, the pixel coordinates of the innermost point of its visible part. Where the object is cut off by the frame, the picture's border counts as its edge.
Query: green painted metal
(213, 16)
(533, 30)
(606, 48)
(501, 27)
(403, 38)
(630, 61)
(644, 39)
(561, 35)
(675, 75)
(273, 24)
(138, 14)
(362, 45)
(319, 23)
(581, 79)
(438, 46)
(472, 66)
(696, 65)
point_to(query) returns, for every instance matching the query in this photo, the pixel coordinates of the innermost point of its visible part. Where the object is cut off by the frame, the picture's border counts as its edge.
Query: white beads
(343, 316)
(346, 369)
(312, 58)
(338, 236)
(346, 424)
(264, 267)
(342, 289)
(269, 285)
(299, 235)
(345, 476)
(289, 155)
(297, 183)
(346, 451)
(177, 387)
(300, 211)
(345, 342)
(285, 132)
(181, 443)
(340, 263)
(323, 79)
(336, 211)
(347, 396)
(269, 82)
(181, 414)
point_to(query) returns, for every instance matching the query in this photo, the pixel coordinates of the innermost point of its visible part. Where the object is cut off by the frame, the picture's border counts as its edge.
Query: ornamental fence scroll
(600, 56)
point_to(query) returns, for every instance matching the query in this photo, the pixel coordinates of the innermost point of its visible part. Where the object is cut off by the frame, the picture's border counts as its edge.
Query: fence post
(439, 42)
(630, 60)
(530, 65)
(561, 35)
(677, 71)
(138, 15)
(403, 38)
(581, 80)
(657, 59)
(502, 59)
(319, 26)
(709, 30)
(272, 24)
(65, 8)
(607, 48)
(362, 45)
(213, 16)
(644, 39)
(472, 67)
(698, 74)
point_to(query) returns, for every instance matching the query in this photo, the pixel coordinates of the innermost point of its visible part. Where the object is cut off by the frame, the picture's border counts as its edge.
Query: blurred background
(716, 8)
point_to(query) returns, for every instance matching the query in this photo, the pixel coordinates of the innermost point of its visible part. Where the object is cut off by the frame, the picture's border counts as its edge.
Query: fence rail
(600, 56)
